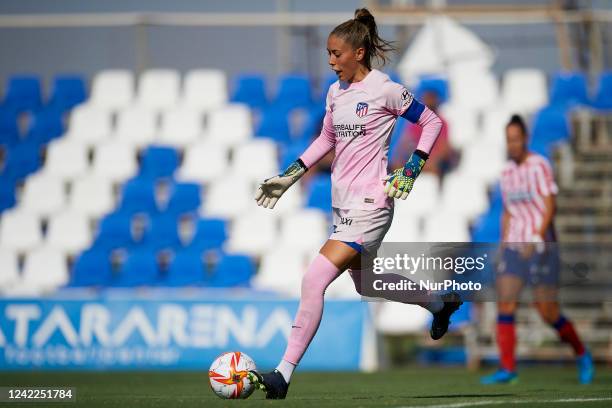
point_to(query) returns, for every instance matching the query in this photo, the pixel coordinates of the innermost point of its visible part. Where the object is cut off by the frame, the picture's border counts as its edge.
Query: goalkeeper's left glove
(400, 181)
(273, 188)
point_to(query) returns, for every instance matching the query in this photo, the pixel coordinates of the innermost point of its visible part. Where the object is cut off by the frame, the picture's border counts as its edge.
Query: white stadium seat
(446, 227)
(181, 127)
(524, 90)
(304, 230)
(9, 269)
(473, 90)
(253, 233)
(204, 89)
(91, 196)
(45, 269)
(89, 125)
(464, 195)
(482, 162)
(422, 199)
(404, 228)
(158, 89)
(462, 124)
(112, 89)
(259, 155)
(230, 125)
(66, 159)
(136, 126)
(114, 161)
(280, 271)
(228, 197)
(43, 195)
(19, 231)
(68, 232)
(494, 127)
(204, 162)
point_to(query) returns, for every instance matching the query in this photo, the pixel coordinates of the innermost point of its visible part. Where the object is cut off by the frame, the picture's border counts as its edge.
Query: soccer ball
(228, 375)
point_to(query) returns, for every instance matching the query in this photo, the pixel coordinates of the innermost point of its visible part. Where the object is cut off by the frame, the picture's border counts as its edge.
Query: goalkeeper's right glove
(273, 188)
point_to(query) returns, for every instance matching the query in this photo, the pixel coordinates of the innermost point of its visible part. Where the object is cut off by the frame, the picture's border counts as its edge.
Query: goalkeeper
(361, 110)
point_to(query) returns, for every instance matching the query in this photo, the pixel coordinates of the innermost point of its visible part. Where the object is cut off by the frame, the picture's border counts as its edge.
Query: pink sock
(319, 275)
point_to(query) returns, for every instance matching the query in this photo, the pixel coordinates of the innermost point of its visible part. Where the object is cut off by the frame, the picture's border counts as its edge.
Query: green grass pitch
(415, 386)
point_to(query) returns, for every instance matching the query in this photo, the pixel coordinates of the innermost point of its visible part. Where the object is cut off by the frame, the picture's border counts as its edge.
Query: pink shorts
(366, 228)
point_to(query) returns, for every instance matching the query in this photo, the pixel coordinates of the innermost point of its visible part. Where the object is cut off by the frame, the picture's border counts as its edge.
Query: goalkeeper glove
(273, 188)
(400, 181)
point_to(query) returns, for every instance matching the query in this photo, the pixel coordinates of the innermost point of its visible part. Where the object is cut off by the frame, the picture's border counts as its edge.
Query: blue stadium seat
(9, 131)
(114, 231)
(23, 93)
(46, 125)
(294, 91)
(138, 196)
(7, 193)
(232, 271)
(328, 81)
(603, 98)
(186, 269)
(159, 162)
(162, 233)
(274, 124)
(210, 233)
(319, 193)
(433, 84)
(92, 268)
(251, 90)
(569, 90)
(313, 123)
(22, 159)
(139, 269)
(551, 125)
(67, 92)
(487, 227)
(185, 197)
(290, 152)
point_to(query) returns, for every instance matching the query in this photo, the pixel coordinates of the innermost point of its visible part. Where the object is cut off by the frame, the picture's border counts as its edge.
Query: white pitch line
(497, 402)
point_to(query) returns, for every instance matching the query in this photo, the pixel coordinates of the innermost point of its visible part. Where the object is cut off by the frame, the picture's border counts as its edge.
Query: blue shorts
(538, 269)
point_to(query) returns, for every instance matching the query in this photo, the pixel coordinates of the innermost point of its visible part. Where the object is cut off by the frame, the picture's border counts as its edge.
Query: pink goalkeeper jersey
(524, 187)
(359, 119)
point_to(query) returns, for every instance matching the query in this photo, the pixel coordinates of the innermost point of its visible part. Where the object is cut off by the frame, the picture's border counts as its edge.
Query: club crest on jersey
(362, 109)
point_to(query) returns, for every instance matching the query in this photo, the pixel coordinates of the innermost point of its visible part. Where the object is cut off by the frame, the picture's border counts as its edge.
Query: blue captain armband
(414, 111)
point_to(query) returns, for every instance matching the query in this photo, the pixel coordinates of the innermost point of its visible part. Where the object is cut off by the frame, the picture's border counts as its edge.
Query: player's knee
(549, 312)
(506, 308)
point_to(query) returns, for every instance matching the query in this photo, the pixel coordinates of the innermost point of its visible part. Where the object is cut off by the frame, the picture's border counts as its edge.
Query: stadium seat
(92, 268)
(68, 232)
(45, 126)
(19, 231)
(229, 125)
(210, 233)
(250, 90)
(253, 233)
(524, 90)
(181, 127)
(204, 162)
(482, 161)
(216, 203)
(138, 196)
(291, 201)
(462, 124)
(136, 126)
(114, 161)
(44, 270)
(89, 125)
(9, 270)
(22, 160)
(232, 271)
(23, 93)
(311, 127)
(435, 84)
(294, 91)
(473, 90)
(184, 198)
(9, 131)
(159, 162)
(259, 155)
(66, 159)
(112, 89)
(162, 233)
(7, 193)
(274, 124)
(139, 269)
(446, 227)
(281, 272)
(304, 230)
(423, 197)
(603, 98)
(186, 269)
(91, 196)
(67, 92)
(405, 226)
(319, 193)
(158, 89)
(550, 125)
(204, 89)
(456, 187)
(494, 128)
(114, 231)
(43, 195)
(569, 89)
